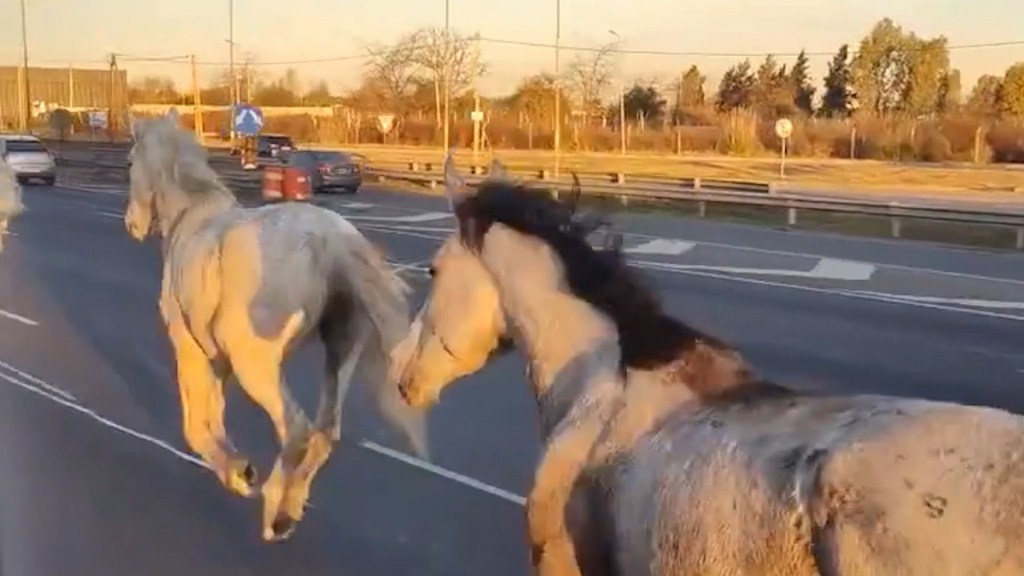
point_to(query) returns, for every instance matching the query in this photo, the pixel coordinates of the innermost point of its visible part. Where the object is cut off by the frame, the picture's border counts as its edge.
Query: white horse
(241, 288)
(10, 198)
(665, 455)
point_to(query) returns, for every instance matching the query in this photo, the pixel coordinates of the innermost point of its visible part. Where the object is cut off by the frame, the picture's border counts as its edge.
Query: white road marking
(103, 420)
(17, 318)
(423, 217)
(845, 293)
(51, 392)
(826, 269)
(662, 246)
(358, 206)
(110, 215)
(836, 269)
(973, 302)
(38, 381)
(444, 472)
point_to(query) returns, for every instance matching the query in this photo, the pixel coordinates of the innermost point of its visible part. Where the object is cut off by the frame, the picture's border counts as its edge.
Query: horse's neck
(572, 353)
(182, 216)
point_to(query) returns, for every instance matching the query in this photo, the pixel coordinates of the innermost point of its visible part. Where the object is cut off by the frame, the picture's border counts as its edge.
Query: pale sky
(83, 32)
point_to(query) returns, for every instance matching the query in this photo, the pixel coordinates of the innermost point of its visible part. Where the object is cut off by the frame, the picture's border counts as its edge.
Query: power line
(608, 48)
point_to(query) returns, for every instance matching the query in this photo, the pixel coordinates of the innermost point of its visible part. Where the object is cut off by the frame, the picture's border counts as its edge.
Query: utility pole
(26, 110)
(71, 85)
(558, 85)
(447, 71)
(231, 67)
(112, 106)
(197, 105)
(477, 119)
(622, 118)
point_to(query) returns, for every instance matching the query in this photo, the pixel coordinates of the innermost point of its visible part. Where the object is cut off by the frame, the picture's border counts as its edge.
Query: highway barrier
(110, 161)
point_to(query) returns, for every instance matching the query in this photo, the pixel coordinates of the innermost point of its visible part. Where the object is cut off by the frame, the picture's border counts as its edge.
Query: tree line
(892, 75)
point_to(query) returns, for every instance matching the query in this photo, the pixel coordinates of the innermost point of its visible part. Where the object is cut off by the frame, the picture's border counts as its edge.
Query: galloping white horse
(241, 288)
(665, 455)
(10, 198)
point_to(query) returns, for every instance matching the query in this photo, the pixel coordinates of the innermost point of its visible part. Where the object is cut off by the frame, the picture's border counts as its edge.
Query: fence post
(702, 209)
(895, 222)
(1020, 238)
(791, 216)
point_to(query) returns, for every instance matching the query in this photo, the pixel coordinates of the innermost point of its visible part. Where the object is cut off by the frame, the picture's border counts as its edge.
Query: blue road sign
(248, 119)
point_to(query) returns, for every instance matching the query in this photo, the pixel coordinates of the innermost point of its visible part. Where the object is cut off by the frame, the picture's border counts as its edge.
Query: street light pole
(447, 71)
(26, 111)
(622, 104)
(231, 66)
(558, 85)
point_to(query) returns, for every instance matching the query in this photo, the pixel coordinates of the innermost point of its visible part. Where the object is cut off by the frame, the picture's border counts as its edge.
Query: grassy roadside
(953, 233)
(976, 182)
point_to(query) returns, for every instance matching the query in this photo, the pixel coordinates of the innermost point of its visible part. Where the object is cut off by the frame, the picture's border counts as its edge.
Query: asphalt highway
(94, 479)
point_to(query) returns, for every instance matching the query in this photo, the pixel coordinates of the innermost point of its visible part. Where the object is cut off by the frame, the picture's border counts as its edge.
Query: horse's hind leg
(201, 385)
(344, 342)
(257, 364)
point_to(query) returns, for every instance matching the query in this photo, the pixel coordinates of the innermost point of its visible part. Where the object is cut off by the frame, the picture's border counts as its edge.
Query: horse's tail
(383, 297)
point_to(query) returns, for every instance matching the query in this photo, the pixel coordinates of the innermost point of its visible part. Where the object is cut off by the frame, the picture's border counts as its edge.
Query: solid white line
(18, 318)
(423, 217)
(444, 472)
(51, 392)
(105, 421)
(38, 381)
(974, 302)
(662, 246)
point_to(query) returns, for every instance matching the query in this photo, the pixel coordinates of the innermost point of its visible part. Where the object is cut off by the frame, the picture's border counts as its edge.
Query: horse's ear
(455, 187)
(497, 170)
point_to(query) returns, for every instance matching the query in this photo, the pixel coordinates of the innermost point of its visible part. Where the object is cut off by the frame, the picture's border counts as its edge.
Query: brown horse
(664, 453)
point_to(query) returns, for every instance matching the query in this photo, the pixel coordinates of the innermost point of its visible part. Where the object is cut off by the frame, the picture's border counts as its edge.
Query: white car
(28, 157)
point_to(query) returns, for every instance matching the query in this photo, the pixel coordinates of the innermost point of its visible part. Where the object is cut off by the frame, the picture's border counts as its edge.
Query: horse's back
(262, 266)
(830, 485)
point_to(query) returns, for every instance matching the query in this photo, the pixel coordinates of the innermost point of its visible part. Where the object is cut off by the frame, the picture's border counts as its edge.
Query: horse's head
(461, 322)
(165, 161)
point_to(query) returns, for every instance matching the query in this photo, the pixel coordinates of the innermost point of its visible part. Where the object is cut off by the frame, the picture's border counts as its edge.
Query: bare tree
(448, 57)
(394, 68)
(590, 74)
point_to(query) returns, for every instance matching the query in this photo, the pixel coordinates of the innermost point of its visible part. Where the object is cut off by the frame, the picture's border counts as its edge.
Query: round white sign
(783, 128)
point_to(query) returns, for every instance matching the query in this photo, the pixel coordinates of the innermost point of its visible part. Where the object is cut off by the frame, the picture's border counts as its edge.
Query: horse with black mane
(665, 454)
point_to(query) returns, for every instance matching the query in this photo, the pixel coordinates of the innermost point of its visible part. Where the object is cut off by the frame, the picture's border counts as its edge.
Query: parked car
(329, 170)
(28, 157)
(273, 147)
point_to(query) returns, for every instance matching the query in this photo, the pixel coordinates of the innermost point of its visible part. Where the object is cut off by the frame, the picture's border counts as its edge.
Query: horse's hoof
(242, 478)
(280, 529)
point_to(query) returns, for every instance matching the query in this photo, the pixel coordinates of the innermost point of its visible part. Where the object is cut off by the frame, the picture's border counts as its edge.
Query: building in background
(71, 88)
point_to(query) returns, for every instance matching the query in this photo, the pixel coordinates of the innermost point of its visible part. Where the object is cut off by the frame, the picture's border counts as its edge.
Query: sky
(85, 32)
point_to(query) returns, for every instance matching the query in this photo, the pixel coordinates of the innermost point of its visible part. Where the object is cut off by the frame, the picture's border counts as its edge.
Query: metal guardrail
(618, 186)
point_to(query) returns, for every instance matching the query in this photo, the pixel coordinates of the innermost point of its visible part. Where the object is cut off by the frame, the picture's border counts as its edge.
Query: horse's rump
(830, 485)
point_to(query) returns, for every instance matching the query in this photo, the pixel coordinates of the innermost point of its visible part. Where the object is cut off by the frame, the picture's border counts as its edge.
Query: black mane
(649, 337)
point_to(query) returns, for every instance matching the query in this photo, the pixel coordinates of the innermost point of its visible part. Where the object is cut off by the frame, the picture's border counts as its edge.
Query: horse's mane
(649, 337)
(173, 154)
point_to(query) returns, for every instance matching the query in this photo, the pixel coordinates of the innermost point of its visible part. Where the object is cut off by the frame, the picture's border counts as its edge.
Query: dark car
(273, 146)
(329, 169)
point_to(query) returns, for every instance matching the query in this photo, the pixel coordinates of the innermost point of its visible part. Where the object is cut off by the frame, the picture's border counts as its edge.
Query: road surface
(94, 480)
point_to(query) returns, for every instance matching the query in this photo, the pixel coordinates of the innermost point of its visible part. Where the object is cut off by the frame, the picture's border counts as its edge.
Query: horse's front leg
(552, 549)
(201, 386)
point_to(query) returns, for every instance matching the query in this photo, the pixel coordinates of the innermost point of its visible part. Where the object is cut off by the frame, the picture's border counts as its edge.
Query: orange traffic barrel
(273, 182)
(296, 184)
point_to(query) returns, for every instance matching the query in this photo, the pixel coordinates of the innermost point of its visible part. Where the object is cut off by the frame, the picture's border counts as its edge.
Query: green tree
(950, 95)
(881, 68)
(986, 96)
(1011, 99)
(644, 102)
(736, 88)
(927, 71)
(691, 89)
(800, 79)
(535, 98)
(318, 95)
(839, 98)
(773, 93)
